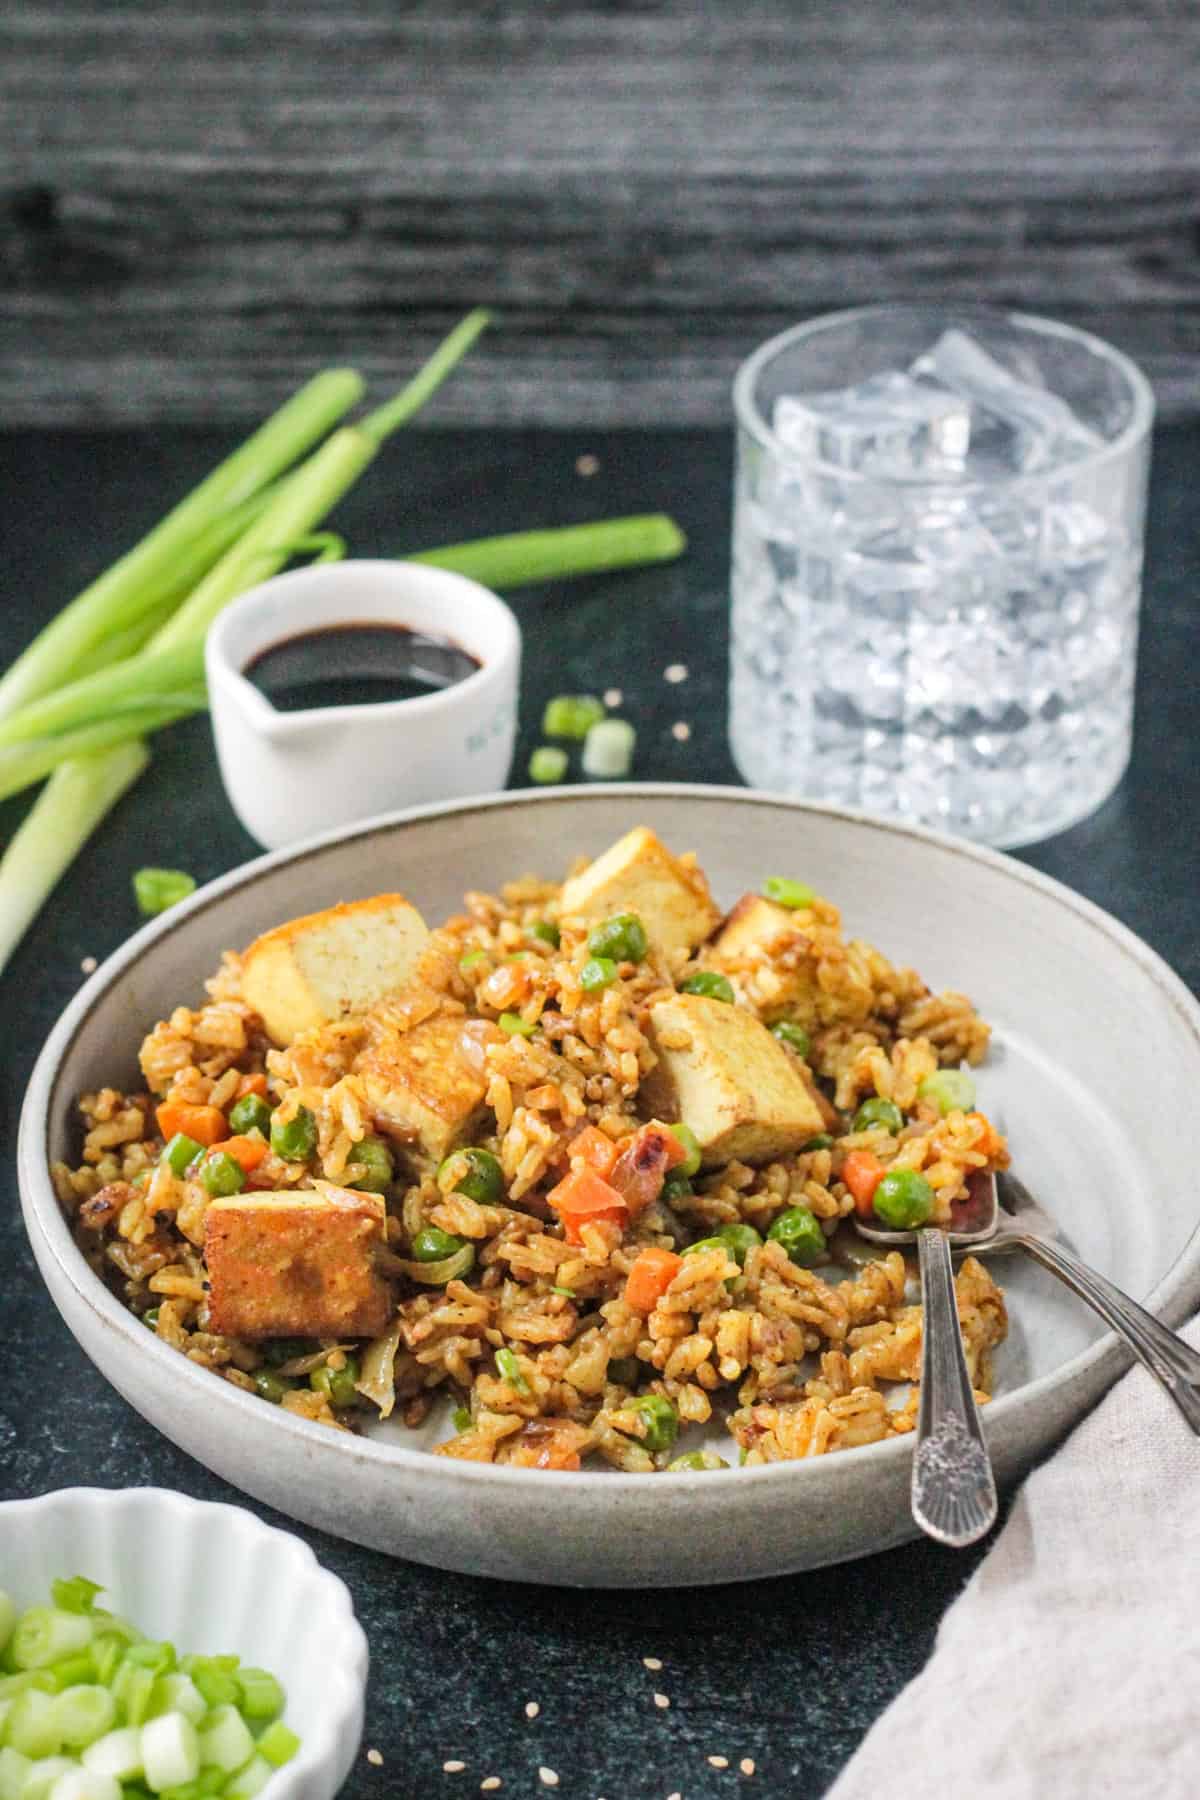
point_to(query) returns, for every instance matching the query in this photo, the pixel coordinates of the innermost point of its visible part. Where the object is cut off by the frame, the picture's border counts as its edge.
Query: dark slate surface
(199, 205)
(791, 1672)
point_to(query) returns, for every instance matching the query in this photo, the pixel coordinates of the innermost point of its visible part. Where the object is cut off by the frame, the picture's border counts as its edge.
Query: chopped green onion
(249, 1781)
(217, 1685)
(794, 1036)
(133, 1690)
(659, 1420)
(952, 1090)
(226, 1741)
(157, 889)
(170, 1751)
(510, 1370)
(32, 1724)
(83, 1714)
(785, 892)
(472, 960)
(77, 1594)
(547, 931)
(708, 984)
(461, 1419)
(597, 972)
(117, 1754)
(608, 749)
(516, 1026)
(569, 1292)
(547, 765)
(45, 1634)
(696, 1459)
(14, 1768)
(571, 715)
(177, 1692)
(73, 1671)
(339, 1385)
(522, 558)
(278, 1744)
(262, 1696)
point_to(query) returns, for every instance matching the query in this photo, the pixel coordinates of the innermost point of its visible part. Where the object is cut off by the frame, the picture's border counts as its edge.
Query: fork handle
(953, 1488)
(1174, 1364)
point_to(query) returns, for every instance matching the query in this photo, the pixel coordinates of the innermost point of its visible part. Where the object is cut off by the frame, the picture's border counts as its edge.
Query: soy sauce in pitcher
(357, 665)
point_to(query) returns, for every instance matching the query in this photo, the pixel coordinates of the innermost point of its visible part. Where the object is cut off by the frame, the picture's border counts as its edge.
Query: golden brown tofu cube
(722, 1073)
(330, 964)
(419, 1085)
(754, 924)
(296, 1265)
(638, 874)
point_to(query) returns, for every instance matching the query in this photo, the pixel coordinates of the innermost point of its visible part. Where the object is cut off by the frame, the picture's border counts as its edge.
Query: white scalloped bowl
(211, 1579)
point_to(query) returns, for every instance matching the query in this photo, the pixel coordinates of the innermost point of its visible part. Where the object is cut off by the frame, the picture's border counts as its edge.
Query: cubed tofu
(722, 1073)
(639, 875)
(296, 1265)
(419, 1085)
(328, 964)
(754, 924)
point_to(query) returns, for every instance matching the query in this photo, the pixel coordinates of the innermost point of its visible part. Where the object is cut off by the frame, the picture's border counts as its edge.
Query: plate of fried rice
(478, 1184)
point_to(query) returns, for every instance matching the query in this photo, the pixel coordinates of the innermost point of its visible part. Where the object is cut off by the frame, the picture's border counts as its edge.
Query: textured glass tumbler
(937, 547)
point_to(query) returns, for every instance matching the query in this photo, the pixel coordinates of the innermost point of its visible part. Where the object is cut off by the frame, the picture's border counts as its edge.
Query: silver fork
(953, 1492)
(1019, 1223)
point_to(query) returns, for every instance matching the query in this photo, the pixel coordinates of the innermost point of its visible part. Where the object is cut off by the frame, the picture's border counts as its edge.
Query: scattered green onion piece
(571, 715)
(696, 1459)
(709, 984)
(471, 960)
(660, 1419)
(547, 931)
(822, 1141)
(157, 889)
(133, 1690)
(794, 1036)
(691, 1144)
(181, 1152)
(569, 1292)
(177, 1692)
(106, 1652)
(75, 1594)
(45, 1634)
(608, 749)
(222, 1175)
(952, 1089)
(217, 1685)
(515, 1025)
(251, 1113)
(262, 1696)
(461, 1419)
(278, 1744)
(73, 1671)
(83, 1714)
(337, 1384)
(597, 972)
(510, 1370)
(297, 1139)
(785, 892)
(547, 765)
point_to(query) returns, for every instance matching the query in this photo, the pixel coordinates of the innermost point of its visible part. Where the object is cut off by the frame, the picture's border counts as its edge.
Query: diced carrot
(252, 1084)
(650, 1277)
(990, 1143)
(593, 1147)
(247, 1152)
(582, 1196)
(862, 1174)
(641, 1168)
(207, 1124)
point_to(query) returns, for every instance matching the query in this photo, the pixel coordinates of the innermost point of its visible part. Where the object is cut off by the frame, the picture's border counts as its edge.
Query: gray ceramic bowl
(1095, 1070)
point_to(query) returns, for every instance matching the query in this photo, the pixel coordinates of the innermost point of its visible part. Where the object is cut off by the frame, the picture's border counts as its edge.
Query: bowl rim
(44, 1214)
(322, 1743)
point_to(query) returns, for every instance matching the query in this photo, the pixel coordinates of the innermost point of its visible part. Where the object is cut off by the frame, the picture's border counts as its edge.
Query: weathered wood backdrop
(201, 203)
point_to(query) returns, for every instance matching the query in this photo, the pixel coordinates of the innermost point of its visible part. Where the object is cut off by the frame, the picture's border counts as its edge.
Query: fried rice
(535, 1355)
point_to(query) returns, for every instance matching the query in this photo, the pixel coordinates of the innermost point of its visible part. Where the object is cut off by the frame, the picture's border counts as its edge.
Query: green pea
(715, 1243)
(250, 1114)
(676, 1184)
(547, 931)
(151, 1318)
(691, 1144)
(659, 1418)
(952, 1089)
(222, 1175)
(432, 1245)
(875, 1112)
(794, 1036)
(708, 983)
(903, 1199)
(338, 1384)
(375, 1159)
(696, 1459)
(822, 1141)
(597, 972)
(475, 1173)
(296, 1140)
(281, 1350)
(623, 937)
(799, 1231)
(739, 1240)
(625, 1370)
(785, 892)
(270, 1386)
(547, 765)
(181, 1152)
(515, 1025)
(461, 1418)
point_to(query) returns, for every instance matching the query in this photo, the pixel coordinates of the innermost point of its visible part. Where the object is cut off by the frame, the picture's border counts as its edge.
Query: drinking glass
(937, 548)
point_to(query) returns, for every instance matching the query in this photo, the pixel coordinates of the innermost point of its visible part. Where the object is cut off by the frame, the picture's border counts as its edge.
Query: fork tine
(1016, 1200)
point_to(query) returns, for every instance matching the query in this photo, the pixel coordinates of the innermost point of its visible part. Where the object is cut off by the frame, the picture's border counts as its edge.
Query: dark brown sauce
(357, 665)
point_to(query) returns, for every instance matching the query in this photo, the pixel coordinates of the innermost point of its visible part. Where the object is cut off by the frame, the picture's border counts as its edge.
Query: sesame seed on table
(771, 1685)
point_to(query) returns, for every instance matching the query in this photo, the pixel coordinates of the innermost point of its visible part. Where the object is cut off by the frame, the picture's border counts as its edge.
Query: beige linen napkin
(1069, 1667)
